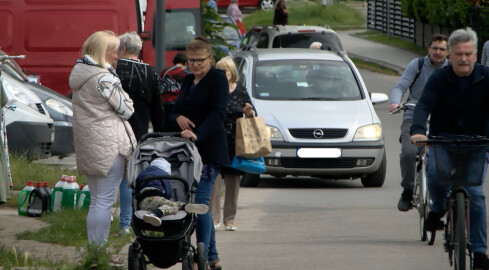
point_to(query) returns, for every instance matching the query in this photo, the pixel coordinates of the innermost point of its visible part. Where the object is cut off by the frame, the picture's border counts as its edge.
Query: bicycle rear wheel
(430, 235)
(459, 237)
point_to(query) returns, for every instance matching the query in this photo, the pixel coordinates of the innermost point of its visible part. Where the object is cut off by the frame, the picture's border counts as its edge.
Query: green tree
(212, 29)
(448, 13)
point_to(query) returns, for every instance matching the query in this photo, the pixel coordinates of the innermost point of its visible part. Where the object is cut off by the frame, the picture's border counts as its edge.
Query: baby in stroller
(155, 194)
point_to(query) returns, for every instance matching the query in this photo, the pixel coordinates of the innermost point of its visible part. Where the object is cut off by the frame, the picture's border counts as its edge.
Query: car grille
(40, 108)
(318, 133)
(318, 163)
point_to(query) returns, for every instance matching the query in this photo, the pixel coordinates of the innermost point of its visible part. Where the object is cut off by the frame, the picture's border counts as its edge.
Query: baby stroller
(169, 243)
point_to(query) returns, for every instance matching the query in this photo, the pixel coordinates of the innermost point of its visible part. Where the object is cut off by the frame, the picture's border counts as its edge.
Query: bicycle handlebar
(403, 107)
(458, 139)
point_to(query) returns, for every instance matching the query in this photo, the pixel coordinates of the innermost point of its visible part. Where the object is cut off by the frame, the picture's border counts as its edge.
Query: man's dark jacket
(454, 112)
(206, 108)
(142, 84)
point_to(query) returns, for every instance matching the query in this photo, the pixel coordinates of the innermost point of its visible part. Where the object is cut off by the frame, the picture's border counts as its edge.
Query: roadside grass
(24, 169)
(13, 258)
(374, 67)
(337, 16)
(67, 227)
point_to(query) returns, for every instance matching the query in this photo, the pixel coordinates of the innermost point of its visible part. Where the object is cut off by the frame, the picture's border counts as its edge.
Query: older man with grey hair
(142, 84)
(457, 98)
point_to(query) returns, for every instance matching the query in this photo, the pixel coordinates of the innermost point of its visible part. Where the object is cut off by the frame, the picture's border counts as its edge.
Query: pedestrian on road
(140, 81)
(234, 12)
(212, 4)
(172, 79)
(4, 179)
(281, 15)
(239, 103)
(457, 99)
(485, 54)
(199, 113)
(414, 79)
(103, 137)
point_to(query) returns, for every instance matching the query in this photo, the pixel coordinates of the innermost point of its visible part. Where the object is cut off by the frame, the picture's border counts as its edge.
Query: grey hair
(461, 36)
(131, 41)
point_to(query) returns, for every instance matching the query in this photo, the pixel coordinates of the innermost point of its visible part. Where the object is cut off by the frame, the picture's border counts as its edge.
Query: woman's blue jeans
(205, 226)
(125, 204)
(478, 234)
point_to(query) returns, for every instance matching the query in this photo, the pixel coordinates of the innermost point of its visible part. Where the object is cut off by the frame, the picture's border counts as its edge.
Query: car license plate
(319, 152)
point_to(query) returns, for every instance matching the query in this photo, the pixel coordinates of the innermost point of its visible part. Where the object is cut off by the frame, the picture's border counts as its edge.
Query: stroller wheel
(135, 258)
(188, 261)
(202, 260)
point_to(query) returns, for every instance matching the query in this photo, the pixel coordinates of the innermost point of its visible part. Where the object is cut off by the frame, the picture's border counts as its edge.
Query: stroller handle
(158, 134)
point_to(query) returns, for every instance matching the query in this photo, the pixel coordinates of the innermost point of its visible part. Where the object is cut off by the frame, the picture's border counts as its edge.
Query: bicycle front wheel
(459, 239)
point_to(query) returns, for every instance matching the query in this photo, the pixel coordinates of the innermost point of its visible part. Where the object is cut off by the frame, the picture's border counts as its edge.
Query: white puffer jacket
(100, 112)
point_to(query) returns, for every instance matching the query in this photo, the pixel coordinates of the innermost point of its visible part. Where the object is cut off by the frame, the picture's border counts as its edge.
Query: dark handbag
(249, 165)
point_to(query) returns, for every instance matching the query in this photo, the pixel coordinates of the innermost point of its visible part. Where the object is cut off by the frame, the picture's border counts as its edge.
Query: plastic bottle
(57, 194)
(24, 199)
(70, 189)
(38, 201)
(84, 199)
(46, 188)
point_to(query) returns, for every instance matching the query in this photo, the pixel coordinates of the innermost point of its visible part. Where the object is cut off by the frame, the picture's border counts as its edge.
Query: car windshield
(180, 29)
(305, 80)
(304, 40)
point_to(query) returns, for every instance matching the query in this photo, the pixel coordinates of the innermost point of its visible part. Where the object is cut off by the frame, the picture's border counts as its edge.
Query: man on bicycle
(457, 97)
(414, 78)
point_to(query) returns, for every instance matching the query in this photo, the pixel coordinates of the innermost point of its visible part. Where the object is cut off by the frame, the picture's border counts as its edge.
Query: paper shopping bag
(252, 138)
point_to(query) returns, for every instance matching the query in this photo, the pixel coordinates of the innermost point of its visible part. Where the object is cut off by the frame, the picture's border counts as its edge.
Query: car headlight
(370, 132)
(59, 107)
(274, 133)
(13, 92)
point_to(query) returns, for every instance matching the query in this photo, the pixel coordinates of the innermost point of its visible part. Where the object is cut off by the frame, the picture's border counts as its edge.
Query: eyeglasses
(198, 61)
(434, 48)
(467, 54)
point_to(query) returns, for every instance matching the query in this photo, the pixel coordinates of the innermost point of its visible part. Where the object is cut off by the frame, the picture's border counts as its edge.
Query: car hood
(316, 114)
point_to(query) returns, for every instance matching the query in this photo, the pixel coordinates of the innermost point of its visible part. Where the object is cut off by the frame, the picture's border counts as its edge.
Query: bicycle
(460, 162)
(420, 193)
(421, 196)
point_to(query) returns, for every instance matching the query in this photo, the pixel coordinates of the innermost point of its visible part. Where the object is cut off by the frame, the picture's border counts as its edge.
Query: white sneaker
(124, 231)
(230, 227)
(217, 226)
(116, 260)
(196, 208)
(152, 219)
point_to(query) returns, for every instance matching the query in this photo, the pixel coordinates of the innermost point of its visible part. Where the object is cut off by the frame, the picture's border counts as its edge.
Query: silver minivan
(319, 114)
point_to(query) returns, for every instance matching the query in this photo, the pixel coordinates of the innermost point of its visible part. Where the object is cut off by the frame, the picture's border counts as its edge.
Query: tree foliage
(448, 13)
(212, 29)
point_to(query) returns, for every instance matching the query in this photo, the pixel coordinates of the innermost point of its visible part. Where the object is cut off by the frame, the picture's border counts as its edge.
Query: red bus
(50, 33)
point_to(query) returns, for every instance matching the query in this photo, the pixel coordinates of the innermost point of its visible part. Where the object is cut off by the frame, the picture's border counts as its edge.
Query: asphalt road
(306, 223)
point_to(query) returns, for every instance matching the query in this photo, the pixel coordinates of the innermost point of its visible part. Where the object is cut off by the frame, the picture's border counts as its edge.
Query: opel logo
(318, 133)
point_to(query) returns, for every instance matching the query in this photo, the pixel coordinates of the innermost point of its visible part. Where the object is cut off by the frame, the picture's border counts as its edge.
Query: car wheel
(377, 178)
(250, 180)
(266, 4)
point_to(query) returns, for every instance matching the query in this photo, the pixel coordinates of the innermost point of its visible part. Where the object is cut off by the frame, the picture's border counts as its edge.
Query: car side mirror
(378, 98)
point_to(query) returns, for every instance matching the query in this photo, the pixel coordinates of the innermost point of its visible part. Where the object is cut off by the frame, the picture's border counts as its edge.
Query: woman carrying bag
(239, 103)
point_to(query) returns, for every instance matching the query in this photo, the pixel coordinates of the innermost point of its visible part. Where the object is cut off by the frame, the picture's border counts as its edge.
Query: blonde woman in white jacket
(103, 137)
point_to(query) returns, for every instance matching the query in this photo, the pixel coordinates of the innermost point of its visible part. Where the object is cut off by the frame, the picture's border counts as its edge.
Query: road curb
(381, 63)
